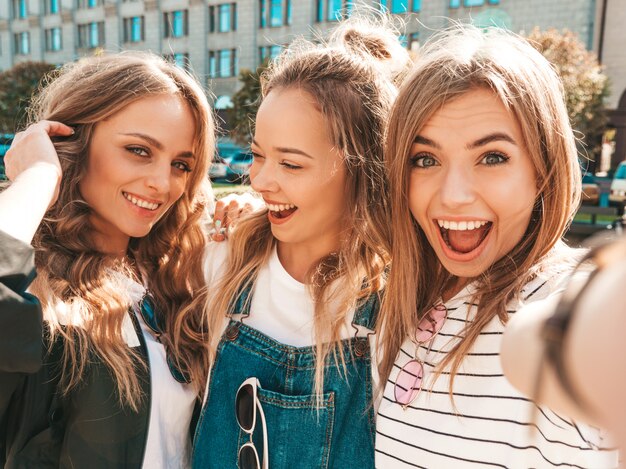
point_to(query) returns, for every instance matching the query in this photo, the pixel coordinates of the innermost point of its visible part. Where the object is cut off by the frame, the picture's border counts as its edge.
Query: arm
(593, 349)
(33, 166)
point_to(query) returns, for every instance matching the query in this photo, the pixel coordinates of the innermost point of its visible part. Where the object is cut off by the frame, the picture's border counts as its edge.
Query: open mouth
(152, 206)
(281, 211)
(465, 236)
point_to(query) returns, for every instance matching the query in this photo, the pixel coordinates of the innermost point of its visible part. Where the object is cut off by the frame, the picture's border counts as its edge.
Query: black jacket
(38, 427)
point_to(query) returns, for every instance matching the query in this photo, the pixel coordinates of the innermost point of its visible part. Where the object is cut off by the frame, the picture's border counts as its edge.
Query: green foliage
(16, 88)
(246, 103)
(584, 82)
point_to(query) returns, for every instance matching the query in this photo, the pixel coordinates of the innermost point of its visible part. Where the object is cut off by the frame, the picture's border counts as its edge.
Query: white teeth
(461, 225)
(280, 207)
(141, 203)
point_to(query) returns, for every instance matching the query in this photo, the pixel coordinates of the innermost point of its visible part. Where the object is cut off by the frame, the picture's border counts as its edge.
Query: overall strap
(367, 312)
(242, 303)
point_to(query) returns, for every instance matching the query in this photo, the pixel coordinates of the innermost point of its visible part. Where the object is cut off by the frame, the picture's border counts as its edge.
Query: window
(269, 52)
(226, 18)
(180, 59)
(89, 3)
(334, 10)
(134, 29)
(274, 13)
(52, 7)
(176, 23)
(413, 41)
(91, 35)
(223, 63)
(20, 9)
(319, 11)
(472, 3)
(455, 3)
(53, 40)
(401, 6)
(22, 43)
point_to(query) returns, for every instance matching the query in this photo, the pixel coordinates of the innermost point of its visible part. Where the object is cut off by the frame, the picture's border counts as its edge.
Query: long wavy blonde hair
(351, 78)
(80, 288)
(451, 64)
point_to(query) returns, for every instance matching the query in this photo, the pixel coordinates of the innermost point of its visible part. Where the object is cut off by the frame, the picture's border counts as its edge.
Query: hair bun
(374, 38)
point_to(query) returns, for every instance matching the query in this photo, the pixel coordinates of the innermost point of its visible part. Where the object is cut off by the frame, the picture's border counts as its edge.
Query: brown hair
(72, 273)
(453, 63)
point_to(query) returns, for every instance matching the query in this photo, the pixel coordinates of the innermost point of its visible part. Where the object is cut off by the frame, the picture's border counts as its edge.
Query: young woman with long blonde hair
(299, 282)
(484, 180)
(117, 257)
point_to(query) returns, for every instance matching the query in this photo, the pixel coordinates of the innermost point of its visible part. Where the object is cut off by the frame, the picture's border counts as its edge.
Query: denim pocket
(299, 432)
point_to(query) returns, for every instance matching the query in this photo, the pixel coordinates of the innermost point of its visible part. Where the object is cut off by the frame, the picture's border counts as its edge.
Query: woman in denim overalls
(300, 282)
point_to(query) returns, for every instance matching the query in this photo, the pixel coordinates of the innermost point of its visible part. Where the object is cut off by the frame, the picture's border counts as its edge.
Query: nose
(458, 188)
(159, 177)
(263, 176)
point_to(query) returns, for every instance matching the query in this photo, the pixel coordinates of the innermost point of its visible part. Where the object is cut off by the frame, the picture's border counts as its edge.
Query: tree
(246, 103)
(16, 88)
(584, 82)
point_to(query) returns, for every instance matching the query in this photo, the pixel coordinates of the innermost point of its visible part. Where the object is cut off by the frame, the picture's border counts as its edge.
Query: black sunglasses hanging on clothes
(246, 405)
(149, 316)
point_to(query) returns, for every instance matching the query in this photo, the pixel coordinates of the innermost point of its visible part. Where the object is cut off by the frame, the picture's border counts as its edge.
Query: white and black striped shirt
(489, 423)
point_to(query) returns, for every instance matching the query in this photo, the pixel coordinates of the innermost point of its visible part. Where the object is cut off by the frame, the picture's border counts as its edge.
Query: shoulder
(215, 261)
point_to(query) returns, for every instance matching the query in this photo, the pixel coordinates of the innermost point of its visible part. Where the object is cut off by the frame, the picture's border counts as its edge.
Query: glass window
(413, 43)
(455, 3)
(417, 6)
(133, 29)
(494, 2)
(225, 63)
(94, 37)
(22, 43)
(288, 12)
(276, 13)
(212, 65)
(175, 23)
(275, 51)
(473, 3)
(262, 13)
(212, 19)
(20, 8)
(319, 11)
(53, 39)
(334, 10)
(399, 6)
(224, 18)
(53, 6)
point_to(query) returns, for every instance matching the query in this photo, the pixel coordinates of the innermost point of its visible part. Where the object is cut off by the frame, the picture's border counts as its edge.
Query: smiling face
(472, 184)
(298, 172)
(138, 166)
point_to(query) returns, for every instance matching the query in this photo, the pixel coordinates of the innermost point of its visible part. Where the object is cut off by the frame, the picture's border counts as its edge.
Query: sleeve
(21, 343)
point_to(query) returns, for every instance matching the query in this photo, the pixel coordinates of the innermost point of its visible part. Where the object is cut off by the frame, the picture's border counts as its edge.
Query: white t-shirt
(171, 405)
(492, 424)
(281, 306)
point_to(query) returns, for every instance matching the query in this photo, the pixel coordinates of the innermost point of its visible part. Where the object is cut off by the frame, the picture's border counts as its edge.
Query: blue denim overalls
(340, 434)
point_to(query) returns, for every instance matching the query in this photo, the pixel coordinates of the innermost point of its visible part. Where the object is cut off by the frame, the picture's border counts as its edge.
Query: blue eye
(494, 158)
(423, 160)
(182, 166)
(139, 151)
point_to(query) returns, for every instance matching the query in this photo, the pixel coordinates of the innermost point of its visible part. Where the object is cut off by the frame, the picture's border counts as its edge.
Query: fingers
(218, 233)
(228, 211)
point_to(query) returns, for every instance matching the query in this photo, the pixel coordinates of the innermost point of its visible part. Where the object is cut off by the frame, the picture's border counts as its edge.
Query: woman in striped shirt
(484, 180)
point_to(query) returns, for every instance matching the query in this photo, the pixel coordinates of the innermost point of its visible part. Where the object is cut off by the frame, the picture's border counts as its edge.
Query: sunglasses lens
(245, 408)
(408, 382)
(248, 457)
(431, 323)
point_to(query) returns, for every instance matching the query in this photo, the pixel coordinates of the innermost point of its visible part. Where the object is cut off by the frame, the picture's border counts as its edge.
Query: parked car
(238, 168)
(617, 196)
(218, 168)
(5, 144)
(591, 190)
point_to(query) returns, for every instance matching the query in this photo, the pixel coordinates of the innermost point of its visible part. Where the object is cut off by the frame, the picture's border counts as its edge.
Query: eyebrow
(494, 137)
(294, 151)
(155, 143)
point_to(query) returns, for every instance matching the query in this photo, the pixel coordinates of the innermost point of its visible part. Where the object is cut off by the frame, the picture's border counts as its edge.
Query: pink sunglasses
(409, 381)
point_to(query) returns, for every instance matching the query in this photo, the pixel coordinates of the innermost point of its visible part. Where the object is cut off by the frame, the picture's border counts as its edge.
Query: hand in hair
(231, 208)
(33, 148)
(33, 167)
